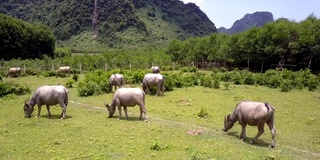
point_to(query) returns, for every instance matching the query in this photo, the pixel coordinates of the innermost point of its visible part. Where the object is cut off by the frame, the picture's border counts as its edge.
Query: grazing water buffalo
(155, 69)
(115, 80)
(16, 71)
(254, 114)
(151, 80)
(128, 97)
(64, 69)
(47, 95)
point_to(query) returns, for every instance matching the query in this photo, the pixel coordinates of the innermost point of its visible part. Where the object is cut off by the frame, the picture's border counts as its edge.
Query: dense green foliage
(283, 44)
(20, 39)
(86, 26)
(10, 87)
(96, 83)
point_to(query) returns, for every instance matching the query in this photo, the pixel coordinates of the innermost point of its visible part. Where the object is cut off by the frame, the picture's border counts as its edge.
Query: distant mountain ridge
(116, 23)
(256, 19)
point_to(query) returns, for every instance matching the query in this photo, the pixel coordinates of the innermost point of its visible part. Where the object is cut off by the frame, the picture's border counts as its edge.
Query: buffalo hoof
(271, 146)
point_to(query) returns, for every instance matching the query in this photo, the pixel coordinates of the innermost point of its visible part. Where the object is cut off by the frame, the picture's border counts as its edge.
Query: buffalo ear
(228, 117)
(107, 105)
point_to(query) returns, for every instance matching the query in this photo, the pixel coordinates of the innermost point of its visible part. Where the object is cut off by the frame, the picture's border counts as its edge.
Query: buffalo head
(228, 123)
(110, 109)
(27, 110)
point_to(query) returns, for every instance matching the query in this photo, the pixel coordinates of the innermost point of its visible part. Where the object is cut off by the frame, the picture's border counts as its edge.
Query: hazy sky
(226, 12)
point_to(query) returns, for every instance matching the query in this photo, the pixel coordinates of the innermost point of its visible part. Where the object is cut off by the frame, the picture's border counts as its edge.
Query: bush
(216, 82)
(193, 69)
(69, 83)
(285, 86)
(75, 77)
(51, 73)
(312, 83)
(13, 88)
(207, 81)
(274, 81)
(203, 113)
(248, 78)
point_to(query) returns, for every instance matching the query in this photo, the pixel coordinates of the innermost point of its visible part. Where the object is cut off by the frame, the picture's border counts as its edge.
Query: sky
(223, 13)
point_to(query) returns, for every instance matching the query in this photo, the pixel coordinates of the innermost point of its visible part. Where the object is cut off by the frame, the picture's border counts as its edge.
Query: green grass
(87, 133)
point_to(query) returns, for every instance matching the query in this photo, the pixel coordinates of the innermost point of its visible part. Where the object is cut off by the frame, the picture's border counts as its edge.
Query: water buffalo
(128, 97)
(155, 69)
(254, 114)
(16, 71)
(64, 69)
(115, 80)
(151, 80)
(47, 95)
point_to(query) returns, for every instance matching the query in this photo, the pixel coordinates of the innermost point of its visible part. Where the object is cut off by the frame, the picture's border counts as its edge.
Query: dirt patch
(194, 132)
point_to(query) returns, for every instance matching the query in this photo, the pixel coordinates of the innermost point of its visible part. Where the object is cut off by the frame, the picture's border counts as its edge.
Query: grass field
(87, 132)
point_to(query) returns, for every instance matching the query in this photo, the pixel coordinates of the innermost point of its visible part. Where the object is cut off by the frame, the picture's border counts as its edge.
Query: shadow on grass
(258, 143)
(56, 117)
(129, 118)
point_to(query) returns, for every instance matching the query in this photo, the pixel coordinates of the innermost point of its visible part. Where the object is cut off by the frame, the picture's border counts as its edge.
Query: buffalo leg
(49, 113)
(63, 113)
(273, 133)
(125, 111)
(144, 111)
(119, 108)
(39, 110)
(243, 132)
(260, 131)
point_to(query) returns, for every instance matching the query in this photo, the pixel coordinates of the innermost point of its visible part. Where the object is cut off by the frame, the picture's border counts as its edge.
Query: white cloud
(199, 3)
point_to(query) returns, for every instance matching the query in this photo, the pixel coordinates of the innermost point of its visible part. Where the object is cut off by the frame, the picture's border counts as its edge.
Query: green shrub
(69, 83)
(236, 77)
(285, 86)
(226, 85)
(193, 69)
(203, 113)
(169, 82)
(274, 81)
(312, 83)
(32, 72)
(13, 88)
(51, 73)
(207, 81)
(259, 79)
(249, 78)
(216, 82)
(184, 69)
(75, 77)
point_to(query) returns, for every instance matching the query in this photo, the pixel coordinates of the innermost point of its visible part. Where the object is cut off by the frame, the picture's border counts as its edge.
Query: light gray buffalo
(254, 114)
(47, 95)
(16, 71)
(151, 80)
(128, 97)
(155, 69)
(116, 80)
(64, 69)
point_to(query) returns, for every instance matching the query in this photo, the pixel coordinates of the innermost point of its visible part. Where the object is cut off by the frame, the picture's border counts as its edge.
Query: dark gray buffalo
(128, 97)
(115, 80)
(151, 80)
(47, 95)
(16, 71)
(254, 114)
(155, 69)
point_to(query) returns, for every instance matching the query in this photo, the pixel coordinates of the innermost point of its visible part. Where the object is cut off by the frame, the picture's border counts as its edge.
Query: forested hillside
(113, 23)
(19, 39)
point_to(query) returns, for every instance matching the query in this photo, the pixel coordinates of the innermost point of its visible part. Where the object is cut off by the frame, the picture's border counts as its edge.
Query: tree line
(279, 44)
(19, 39)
